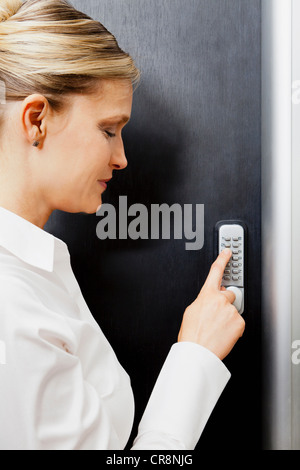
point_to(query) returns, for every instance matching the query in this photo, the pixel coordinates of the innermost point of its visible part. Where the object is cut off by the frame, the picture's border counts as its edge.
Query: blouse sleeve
(187, 389)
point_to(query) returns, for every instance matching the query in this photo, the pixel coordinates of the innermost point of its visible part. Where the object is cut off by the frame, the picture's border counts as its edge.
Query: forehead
(110, 97)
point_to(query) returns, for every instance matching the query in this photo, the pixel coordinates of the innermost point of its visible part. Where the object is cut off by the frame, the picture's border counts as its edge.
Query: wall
(194, 138)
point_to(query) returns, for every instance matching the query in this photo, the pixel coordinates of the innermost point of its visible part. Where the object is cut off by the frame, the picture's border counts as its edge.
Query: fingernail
(227, 251)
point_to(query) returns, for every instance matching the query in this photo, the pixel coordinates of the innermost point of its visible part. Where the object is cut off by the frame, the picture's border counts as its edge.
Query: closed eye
(110, 134)
(106, 132)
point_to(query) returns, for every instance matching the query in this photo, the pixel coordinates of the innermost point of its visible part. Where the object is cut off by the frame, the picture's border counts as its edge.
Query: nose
(118, 159)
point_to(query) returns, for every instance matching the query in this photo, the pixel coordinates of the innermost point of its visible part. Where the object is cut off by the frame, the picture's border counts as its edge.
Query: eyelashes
(106, 132)
(110, 134)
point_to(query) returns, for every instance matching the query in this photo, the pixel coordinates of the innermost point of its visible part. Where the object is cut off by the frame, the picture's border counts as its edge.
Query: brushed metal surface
(194, 138)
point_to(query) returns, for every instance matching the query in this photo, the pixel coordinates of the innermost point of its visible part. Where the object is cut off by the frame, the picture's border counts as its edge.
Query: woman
(68, 95)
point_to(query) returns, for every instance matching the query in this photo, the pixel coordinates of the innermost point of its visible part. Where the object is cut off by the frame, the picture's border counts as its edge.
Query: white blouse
(61, 385)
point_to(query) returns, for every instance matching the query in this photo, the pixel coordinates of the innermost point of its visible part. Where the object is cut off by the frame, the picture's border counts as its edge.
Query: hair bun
(8, 8)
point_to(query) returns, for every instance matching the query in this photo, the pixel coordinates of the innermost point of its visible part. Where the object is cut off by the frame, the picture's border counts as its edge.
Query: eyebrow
(122, 119)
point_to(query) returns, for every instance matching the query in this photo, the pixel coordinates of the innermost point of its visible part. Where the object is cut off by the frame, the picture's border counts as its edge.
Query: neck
(20, 198)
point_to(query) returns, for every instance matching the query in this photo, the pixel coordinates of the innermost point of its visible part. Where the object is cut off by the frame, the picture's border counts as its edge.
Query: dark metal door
(194, 138)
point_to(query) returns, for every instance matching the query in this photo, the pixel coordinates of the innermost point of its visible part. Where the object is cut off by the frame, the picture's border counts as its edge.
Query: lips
(103, 183)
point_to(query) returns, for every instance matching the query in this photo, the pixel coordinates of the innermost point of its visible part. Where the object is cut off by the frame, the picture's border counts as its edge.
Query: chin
(91, 211)
(81, 210)
(90, 206)
(94, 207)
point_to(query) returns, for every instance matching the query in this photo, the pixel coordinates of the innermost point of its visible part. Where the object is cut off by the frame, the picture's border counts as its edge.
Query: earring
(36, 143)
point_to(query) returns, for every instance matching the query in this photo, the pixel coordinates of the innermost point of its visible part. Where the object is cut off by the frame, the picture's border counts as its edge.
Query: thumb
(228, 294)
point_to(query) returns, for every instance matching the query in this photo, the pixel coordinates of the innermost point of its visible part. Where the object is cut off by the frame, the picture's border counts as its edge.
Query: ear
(33, 112)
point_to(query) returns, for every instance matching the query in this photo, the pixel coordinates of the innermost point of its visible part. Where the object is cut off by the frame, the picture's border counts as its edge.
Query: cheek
(97, 154)
(89, 151)
(92, 163)
(75, 138)
(82, 154)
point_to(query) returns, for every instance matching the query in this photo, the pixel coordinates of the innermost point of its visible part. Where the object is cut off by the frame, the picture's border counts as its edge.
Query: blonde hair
(49, 47)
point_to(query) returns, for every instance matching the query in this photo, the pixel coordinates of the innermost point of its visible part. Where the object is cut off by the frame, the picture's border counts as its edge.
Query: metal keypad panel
(232, 236)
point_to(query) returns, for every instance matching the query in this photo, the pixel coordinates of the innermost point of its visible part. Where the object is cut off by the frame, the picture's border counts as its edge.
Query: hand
(211, 320)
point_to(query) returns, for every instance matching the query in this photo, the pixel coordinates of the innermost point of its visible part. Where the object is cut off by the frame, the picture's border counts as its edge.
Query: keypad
(232, 237)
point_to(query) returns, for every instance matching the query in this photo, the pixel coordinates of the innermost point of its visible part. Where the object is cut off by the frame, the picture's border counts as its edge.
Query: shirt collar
(27, 241)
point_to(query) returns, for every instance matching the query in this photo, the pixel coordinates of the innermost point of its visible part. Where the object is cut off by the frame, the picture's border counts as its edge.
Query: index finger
(216, 272)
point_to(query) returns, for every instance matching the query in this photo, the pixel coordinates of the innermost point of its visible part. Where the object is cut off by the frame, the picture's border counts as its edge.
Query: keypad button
(232, 238)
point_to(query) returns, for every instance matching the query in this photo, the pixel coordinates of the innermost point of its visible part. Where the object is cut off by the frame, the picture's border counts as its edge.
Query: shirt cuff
(187, 390)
